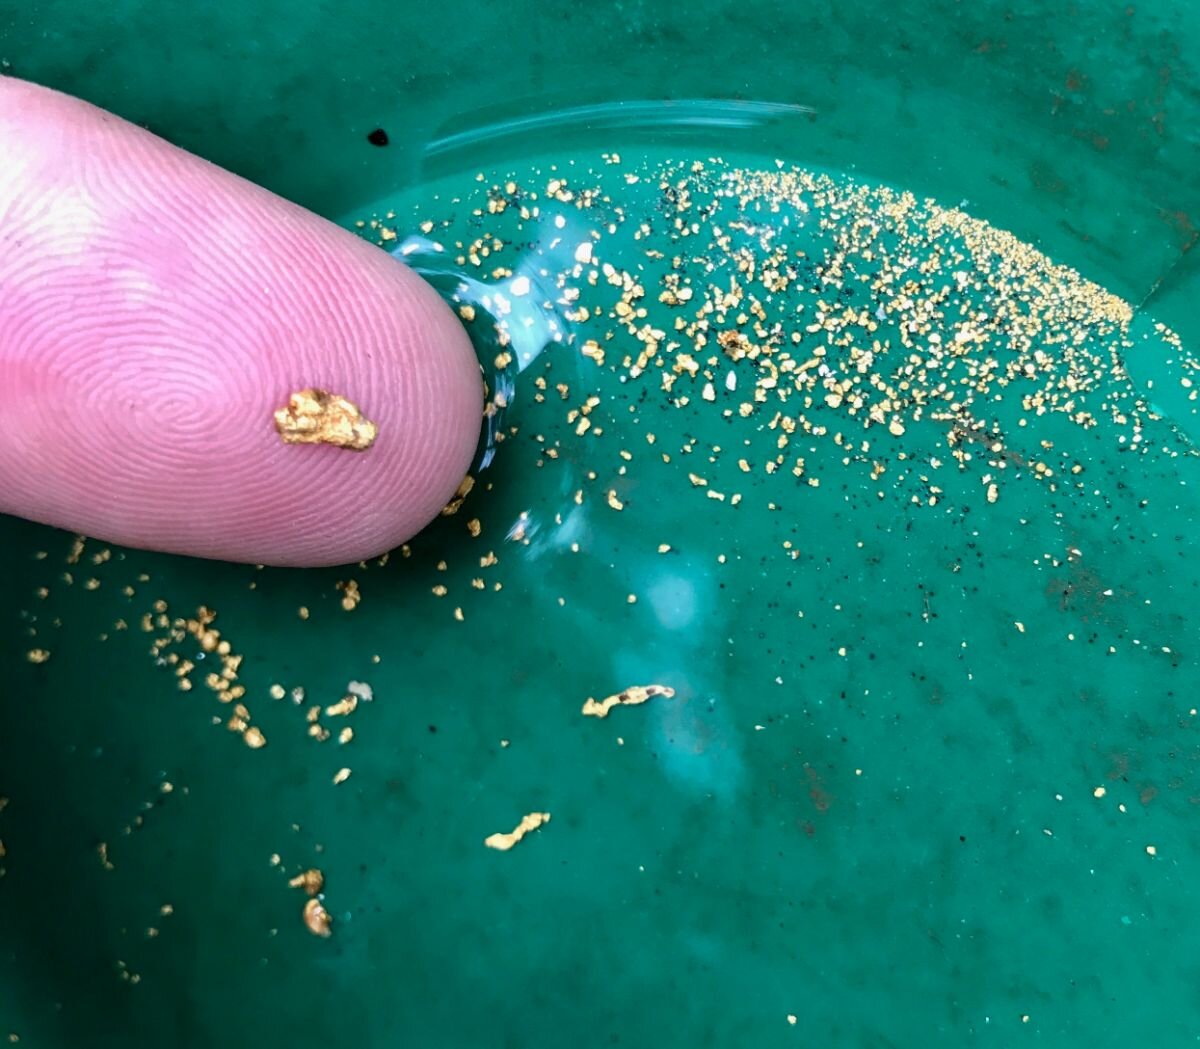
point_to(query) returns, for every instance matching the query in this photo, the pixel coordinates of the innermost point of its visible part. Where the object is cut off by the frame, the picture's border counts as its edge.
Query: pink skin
(155, 311)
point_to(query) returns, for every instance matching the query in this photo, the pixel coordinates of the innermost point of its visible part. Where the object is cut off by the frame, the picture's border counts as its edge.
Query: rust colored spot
(1147, 794)
(1096, 140)
(820, 798)
(1044, 178)
(1181, 223)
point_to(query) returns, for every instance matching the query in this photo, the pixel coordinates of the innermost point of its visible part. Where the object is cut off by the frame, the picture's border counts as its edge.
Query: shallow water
(929, 772)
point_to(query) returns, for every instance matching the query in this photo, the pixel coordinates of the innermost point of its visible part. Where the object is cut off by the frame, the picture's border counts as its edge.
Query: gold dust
(37, 655)
(314, 416)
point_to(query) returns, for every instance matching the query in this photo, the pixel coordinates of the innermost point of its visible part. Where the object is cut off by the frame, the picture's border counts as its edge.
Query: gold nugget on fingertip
(318, 417)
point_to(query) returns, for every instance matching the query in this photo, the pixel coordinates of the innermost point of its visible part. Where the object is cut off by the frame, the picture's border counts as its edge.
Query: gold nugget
(318, 417)
(504, 842)
(630, 697)
(312, 881)
(317, 919)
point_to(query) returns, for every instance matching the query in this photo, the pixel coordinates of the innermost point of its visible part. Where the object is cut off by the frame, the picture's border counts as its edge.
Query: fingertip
(155, 315)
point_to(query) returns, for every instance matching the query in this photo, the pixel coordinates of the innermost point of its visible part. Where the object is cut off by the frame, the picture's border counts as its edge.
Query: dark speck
(378, 137)
(433, 728)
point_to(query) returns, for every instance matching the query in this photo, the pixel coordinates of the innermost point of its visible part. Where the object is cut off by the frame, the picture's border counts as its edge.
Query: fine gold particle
(317, 417)
(528, 823)
(341, 776)
(254, 738)
(37, 655)
(346, 705)
(464, 489)
(350, 595)
(317, 919)
(630, 697)
(312, 881)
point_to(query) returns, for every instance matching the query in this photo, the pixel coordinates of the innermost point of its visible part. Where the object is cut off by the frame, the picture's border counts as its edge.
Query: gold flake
(317, 919)
(341, 776)
(315, 416)
(344, 706)
(350, 595)
(312, 881)
(464, 489)
(631, 696)
(530, 822)
(37, 655)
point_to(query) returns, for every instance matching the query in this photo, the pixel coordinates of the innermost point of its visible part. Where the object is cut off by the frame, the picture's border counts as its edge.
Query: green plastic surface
(900, 847)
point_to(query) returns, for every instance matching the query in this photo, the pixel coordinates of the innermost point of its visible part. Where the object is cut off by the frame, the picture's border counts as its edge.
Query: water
(866, 481)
